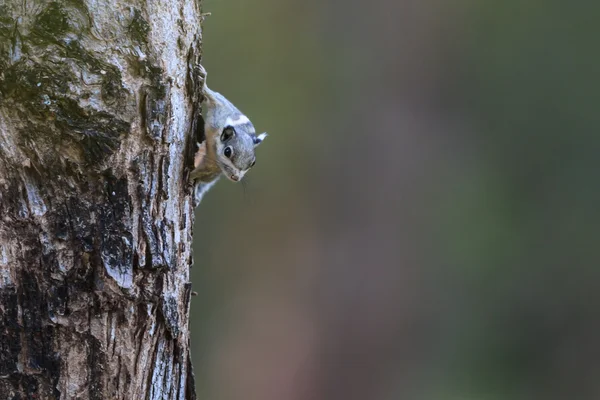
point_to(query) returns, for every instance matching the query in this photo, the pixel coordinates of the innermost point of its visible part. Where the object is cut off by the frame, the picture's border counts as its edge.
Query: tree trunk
(99, 113)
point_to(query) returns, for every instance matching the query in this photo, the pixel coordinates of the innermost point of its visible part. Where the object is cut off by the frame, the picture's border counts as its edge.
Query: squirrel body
(230, 142)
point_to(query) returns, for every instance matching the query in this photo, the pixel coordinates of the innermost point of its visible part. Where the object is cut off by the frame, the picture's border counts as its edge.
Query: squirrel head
(235, 146)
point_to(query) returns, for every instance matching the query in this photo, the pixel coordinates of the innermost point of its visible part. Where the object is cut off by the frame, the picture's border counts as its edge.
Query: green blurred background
(421, 222)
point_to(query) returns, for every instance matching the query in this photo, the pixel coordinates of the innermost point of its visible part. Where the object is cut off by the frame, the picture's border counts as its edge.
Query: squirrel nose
(235, 178)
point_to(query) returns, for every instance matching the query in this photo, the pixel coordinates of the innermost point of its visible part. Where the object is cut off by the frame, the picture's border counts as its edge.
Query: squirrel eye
(228, 152)
(253, 162)
(228, 132)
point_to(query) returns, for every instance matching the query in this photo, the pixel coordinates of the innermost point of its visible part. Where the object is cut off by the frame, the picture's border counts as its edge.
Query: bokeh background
(423, 220)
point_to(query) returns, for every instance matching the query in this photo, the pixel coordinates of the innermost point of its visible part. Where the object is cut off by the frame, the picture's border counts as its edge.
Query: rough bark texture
(98, 117)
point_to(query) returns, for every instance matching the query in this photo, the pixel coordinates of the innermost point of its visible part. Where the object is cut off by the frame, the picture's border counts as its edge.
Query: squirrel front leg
(204, 175)
(205, 169)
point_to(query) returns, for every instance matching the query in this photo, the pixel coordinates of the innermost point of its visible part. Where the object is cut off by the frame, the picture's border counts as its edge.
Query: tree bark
(99, 115)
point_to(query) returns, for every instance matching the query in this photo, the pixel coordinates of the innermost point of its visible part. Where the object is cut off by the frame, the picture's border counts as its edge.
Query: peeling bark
(99, 113)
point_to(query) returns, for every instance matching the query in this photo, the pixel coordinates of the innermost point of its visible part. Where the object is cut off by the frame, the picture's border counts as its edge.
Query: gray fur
(243, 147)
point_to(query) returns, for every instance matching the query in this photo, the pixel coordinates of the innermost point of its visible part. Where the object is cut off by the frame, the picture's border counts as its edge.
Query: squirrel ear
(258, 139)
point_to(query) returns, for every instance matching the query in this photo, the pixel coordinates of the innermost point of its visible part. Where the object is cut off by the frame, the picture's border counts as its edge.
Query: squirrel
(229, 145)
